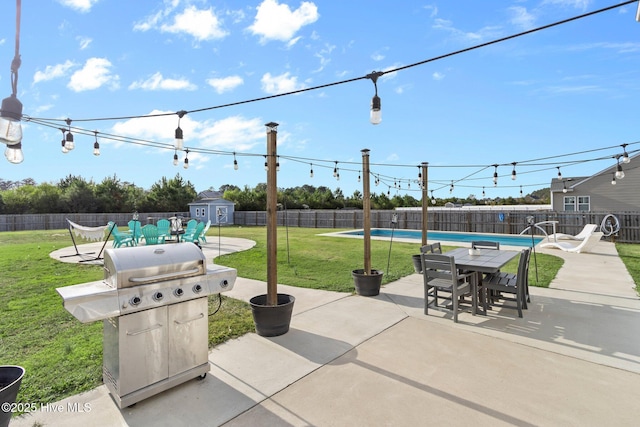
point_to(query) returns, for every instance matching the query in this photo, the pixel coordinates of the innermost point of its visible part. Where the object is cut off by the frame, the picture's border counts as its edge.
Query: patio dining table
(483, 261)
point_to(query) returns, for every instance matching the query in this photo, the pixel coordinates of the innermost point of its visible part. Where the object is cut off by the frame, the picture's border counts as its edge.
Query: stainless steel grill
(153, 303)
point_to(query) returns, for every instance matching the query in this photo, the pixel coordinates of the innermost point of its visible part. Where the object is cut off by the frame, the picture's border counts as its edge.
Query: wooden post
(425, 202)
(272, 216)
(366, 210)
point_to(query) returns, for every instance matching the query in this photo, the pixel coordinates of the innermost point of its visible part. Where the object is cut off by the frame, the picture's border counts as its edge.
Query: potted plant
(272, 311)
(367, 281)
(10, 379)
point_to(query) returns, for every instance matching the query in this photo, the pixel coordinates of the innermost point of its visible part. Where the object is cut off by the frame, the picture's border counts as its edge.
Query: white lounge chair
(586, 231)
(585, 246)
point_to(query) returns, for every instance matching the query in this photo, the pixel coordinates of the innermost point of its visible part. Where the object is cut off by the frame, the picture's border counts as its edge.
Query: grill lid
(132, 266)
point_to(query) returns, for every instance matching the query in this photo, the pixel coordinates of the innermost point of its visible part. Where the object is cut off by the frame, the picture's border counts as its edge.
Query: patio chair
(164, 229)
(440, 276)
(120, 238)
(135, 230)
(194, 236)
(587, 230)
(203, 237)
(191, 226)
(151, 235)
(585, 246)
(508, 283)
(433, 248)
(485, 244)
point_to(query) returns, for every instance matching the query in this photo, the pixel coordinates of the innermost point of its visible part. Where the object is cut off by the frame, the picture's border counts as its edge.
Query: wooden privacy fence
(463, 220)
(58, 221)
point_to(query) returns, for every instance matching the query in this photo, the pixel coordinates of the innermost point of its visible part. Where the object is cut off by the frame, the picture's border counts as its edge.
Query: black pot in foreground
(272, 320)
(367, 285)
(10, 379)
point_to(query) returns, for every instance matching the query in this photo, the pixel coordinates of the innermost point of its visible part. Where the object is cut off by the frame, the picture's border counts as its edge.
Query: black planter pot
(10, 379)
(417, 263)
(367, 285)
(272, 320)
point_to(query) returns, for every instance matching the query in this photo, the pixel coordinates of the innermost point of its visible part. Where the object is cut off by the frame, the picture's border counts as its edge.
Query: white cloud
(280, 84)
(323, 56)
(484, 33)
(225, 84)
(437, 76)
(233, 133)
(84, 42)
(95, 74)
(157, 82)
(52, 72)
(578, 4)
(433, 9)
(521, 18)
(82, 6)
(201, 24)
(275, 21)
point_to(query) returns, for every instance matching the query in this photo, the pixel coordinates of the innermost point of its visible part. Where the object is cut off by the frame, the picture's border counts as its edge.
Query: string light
(376, 105)
(278, 164)
(619, 171)
(451, 188)
(311, 170)
(11, 109)
(625, 155)
(521, 193)
(433, 199)
(613, 179)
(235, 162)
(186, 159)
(175, 158)
(559, 174)
(564, 187)
(69, 144)
(96, 145)
(179, 144)
(64, 147)
(359, 176)
(495, 176)
(335, 170)
(513, 172)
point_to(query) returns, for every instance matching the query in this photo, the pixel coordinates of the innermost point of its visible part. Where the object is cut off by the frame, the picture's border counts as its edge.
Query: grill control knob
(178, 292)
(197, 288)
(158, 296)
(224, 283)
(135, 300)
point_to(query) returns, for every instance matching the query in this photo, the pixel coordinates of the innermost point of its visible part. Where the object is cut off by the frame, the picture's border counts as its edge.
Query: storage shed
(210, 206)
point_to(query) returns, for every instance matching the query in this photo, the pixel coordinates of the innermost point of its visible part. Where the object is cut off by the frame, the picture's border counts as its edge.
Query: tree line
(74, 194)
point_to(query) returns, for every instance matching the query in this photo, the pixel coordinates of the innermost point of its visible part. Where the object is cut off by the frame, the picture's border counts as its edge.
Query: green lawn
(64, 357)
(630, 255)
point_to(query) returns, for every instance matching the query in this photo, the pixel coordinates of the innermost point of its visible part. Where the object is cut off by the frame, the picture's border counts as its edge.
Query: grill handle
(142, 331)
(165, 276)
(184, 322)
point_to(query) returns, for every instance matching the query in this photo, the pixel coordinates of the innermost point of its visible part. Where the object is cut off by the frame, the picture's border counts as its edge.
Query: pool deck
(572, 360)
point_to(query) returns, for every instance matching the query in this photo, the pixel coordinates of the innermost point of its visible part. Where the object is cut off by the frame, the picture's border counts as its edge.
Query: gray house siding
(603, 196)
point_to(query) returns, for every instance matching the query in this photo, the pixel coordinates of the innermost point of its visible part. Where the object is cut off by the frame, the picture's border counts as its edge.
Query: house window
(584, 203)
(569, 203)
(579, 203)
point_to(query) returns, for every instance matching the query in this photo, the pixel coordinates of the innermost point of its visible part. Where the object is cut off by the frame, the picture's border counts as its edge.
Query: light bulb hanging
(96, 145)
(564, 187)
(559, 174)
(335, 170)
(186, 159)
(359, 176)
(433, 199)
(625, 155)
(521, 193)
(311, 170)
(14, 154)
(451, 188)
(495, 176)
(69, 144)
(613, 179)
(278, 164)
(11, 108)
(179, 141)
(483, 193)
(376, 105)
(266, 165)
(619, 171)
(235, 162)
(175, 158)
(513, 172)
(64, 141)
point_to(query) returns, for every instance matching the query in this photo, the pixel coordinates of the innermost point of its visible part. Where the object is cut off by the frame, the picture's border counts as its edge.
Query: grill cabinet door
(188, 335)
(143, 350)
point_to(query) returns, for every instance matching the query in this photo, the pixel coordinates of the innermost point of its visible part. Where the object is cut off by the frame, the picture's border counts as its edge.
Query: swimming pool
(448, 236)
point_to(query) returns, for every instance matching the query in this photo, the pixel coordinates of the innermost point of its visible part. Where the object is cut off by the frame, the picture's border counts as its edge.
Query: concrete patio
(574, 359)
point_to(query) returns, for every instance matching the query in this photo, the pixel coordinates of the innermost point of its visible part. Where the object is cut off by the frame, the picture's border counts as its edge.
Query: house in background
(210, 206)
(602, 192)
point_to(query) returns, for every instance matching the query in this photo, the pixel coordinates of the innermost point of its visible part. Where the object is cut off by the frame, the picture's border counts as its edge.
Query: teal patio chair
(151, 235)
(203, 235)
(120, 238)
(164, 229)
(194, 236)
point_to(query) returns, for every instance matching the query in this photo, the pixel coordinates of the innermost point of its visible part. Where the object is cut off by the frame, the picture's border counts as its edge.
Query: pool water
(451, 236)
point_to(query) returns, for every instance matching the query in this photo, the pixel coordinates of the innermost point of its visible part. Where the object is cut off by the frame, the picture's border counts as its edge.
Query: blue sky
(568, 89)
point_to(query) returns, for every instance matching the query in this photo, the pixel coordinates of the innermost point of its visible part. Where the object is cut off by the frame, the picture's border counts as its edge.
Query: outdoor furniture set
(475, 272)
(158, 234)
